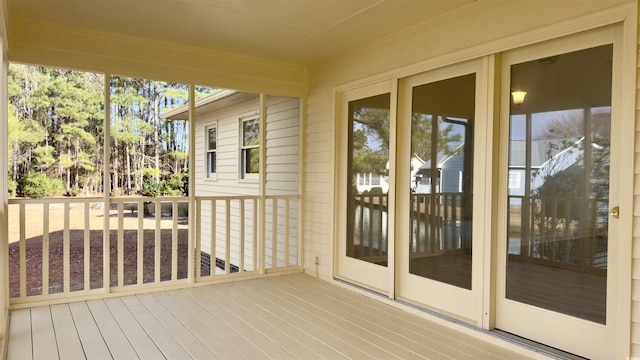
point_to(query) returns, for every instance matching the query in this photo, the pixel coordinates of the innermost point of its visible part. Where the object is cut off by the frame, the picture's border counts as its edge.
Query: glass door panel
(559, 160)
(368, 167)
(441, 198)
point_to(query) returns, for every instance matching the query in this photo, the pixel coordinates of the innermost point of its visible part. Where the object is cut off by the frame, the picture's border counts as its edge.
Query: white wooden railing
(66, 248)
(234, 247)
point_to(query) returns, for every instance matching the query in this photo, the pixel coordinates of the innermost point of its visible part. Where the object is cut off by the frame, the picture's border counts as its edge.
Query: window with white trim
(250, 147)
(211, 143)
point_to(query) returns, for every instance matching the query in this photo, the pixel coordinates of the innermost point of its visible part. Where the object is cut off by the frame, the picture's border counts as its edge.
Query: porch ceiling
(295, 31)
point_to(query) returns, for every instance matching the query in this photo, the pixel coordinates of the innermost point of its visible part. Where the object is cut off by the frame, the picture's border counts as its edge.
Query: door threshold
(536, 346)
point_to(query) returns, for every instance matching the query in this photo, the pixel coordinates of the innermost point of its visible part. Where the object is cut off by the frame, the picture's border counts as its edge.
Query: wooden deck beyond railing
(66, 248)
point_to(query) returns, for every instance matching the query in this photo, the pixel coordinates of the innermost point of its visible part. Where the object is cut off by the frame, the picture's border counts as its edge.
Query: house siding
(282, 178)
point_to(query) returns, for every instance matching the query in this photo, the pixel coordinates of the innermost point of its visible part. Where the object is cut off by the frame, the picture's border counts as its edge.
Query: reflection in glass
(251, 146)
(559, 183)
(368, 164)
(442, 179)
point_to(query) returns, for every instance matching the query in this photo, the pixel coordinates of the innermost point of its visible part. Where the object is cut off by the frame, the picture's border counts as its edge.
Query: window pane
(442, 178)
(212, 139)
(369, 186)
(251, 161)
(251, 132)
(558, 204)
(211, 163)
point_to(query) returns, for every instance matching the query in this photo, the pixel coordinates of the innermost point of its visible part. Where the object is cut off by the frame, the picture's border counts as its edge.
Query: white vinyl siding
(282, 178)
(282, 174)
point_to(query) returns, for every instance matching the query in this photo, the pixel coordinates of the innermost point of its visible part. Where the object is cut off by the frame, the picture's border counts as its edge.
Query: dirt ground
(34, 215)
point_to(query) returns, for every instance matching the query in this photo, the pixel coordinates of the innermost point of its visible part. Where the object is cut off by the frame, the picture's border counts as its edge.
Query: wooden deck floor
(288, 317)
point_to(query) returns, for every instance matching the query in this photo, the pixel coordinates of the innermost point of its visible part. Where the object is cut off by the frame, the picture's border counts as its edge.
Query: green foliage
(44, 156)
(150, 172)
(376, 190)
(172, 186)
(56, 127)
(151, 187)
(55, 121)
(38, 185)
(74, 191)
(13, 187)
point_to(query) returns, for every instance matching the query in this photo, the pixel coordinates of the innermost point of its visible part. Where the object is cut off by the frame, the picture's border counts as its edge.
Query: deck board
(377, 342)
(296, 322)
(287, 317)
(165, 342)
(200, 324)
(43, 334)
(177, 329)
(246, 335)
(218, 327)
(258, 306)
(20, 341)
(116, 341)
(142, 344)
(270, 336)
(69, 345)
(88, 332)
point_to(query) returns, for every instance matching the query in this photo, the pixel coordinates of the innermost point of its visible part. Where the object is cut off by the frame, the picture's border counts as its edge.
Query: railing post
(174, 242)
(198, 267)
(45, 249)
(23, 254)
(140, 257)
(158, 241)
(120, 262)
(66, 253)
(106, 188)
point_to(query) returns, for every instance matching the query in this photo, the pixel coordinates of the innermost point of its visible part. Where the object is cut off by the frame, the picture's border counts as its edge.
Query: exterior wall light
(518, 97)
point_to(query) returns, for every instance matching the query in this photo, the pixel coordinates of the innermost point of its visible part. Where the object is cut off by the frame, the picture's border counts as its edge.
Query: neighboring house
(548, 158)
(318, 57)
(365, 182)
(450, 169)
(226, 166)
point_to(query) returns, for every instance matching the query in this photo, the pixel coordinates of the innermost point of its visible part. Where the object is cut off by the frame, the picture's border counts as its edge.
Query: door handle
(615, 212)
